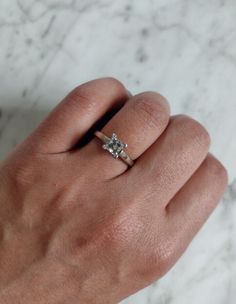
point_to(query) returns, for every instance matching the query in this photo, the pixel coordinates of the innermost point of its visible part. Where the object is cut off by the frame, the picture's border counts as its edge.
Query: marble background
(184, 49)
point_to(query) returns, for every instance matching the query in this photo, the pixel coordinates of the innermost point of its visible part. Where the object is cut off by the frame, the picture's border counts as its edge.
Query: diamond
(114, 145)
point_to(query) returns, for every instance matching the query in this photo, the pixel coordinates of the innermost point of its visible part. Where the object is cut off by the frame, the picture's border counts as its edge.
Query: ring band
(115, 146)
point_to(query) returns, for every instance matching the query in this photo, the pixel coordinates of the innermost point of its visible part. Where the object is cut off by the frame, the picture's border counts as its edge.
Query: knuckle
(113, 82)
(192, 129)
(81, 98)
(164, 260)
(151, 108)
(217, 169)
(85, 96)
(156, 263)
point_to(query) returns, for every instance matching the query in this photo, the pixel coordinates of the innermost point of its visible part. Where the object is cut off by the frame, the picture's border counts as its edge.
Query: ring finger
(139, 123)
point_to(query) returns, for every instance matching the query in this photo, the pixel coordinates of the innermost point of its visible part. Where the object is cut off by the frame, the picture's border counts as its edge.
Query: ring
(115, 146)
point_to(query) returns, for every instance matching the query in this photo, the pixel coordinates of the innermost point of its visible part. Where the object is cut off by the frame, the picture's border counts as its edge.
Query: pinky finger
(193, 204)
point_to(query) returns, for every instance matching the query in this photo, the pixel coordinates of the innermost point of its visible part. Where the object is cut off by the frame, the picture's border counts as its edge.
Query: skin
(76, 225)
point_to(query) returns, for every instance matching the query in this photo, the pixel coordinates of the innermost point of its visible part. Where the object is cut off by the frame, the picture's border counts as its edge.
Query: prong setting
(115, 146)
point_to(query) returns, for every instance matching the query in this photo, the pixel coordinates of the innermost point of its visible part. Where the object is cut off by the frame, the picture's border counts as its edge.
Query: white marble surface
(184, 49)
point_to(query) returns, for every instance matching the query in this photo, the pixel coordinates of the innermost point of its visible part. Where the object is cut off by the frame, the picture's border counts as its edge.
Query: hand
(78, 226)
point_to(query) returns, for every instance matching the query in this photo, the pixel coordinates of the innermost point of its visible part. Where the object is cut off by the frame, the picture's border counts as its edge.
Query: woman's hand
(78, 226)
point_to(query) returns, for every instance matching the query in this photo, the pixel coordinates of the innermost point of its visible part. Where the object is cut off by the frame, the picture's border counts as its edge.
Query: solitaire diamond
(114, 145)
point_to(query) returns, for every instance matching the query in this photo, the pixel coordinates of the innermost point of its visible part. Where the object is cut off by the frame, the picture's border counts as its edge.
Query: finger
(171, 160)
(77, 113)
(193, 204)
(139, 123)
